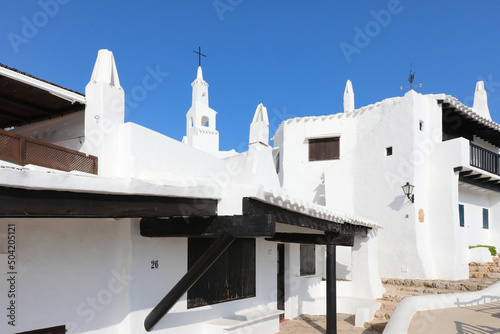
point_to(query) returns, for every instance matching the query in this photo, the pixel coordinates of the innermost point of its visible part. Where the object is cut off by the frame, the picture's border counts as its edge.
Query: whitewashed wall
(70, 272)
(95, 276)
(367, 183)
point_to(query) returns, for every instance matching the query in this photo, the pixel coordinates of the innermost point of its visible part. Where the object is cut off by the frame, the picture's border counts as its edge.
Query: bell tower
(200, 119)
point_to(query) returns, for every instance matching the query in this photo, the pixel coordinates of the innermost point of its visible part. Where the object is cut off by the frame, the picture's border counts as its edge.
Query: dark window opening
(421, 125)
(51, 330)
(486, 223)
(461, 215)
(307, 260)
(388, 151)
(324, 149)
(277, 163)
(231, 277)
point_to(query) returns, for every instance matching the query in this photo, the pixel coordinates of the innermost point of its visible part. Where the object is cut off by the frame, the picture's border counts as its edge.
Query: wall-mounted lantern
(408, 190)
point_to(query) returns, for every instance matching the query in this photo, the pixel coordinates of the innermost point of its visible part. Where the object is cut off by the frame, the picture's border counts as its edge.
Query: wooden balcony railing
(484, 159)
(25, 150)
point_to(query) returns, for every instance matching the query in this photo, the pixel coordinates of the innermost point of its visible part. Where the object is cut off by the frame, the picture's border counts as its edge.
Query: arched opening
(191, 122)
(204, 121)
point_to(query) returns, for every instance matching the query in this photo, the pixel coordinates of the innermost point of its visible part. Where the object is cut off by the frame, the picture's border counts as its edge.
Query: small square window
(388, 151)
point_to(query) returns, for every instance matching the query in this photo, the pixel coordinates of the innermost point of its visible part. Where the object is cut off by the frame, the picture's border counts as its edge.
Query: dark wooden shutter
(324, 149)
(307, 260)
(231, 277)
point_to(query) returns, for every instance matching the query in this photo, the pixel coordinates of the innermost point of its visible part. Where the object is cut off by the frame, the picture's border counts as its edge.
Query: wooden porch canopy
(188, 217)
(25, 99)
(259, 219)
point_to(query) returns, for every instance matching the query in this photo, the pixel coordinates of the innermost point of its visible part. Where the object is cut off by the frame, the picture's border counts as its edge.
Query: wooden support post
(331, 290)
(188, 280)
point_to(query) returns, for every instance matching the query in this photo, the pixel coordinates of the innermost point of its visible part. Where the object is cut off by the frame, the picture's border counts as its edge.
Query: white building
(358, 160)
(104, 225)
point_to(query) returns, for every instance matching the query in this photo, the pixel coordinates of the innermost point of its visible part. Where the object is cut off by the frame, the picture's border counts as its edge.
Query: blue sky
(292, 56)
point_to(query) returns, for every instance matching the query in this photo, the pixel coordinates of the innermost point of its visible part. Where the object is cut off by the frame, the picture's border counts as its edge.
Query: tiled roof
(32, 76)
(332, 116)
(314, 210)
(469, 113)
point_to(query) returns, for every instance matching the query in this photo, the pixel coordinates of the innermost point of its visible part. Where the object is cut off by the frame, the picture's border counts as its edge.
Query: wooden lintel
(26, 203)
(316, 239)
(236, 226)
(253, 206)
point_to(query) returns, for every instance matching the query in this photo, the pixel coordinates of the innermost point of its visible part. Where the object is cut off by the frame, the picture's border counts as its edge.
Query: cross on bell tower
(199, 55)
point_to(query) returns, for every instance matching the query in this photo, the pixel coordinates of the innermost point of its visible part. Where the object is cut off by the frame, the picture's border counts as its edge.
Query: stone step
(376, 325)
(484, 275)
(383, 314)
(387, 305)
(449, 288)
(463, 285)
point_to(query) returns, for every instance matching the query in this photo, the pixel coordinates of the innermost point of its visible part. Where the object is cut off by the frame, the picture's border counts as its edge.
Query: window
(231, 277)
(204, 121)
(277, 163)
(485, 219)
(51, 330)
(388, 151)
(324, 149)
(461, 215)
(307, 260)
(421, 125)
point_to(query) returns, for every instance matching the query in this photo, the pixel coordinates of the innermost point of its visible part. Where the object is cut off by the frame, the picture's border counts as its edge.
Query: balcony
(484, 159)
(25, 150)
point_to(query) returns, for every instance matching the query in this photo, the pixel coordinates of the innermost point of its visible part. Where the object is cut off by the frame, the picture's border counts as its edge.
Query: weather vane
(410, 79)
(199, 55)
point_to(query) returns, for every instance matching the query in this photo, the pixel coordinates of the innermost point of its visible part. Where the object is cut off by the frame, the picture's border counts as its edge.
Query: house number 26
(154, 264)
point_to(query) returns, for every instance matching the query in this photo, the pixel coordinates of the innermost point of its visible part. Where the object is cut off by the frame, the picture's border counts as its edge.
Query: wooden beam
(477, 183)
(472, 177)
(189, 227)
(50, 203)
(465, 173)
(316, 239)
(252, 206)
(24, 104)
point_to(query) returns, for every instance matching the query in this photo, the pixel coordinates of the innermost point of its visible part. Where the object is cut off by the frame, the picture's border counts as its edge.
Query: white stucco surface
(402, 316)
(383, 146)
